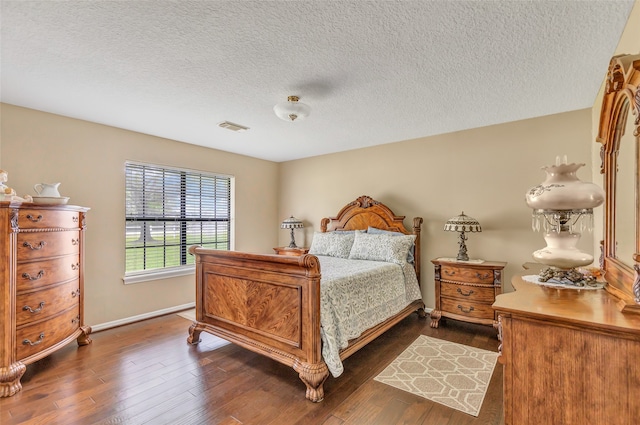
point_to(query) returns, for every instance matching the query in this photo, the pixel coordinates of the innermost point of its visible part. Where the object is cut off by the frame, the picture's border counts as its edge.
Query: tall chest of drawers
(466, 290)
(41, 299)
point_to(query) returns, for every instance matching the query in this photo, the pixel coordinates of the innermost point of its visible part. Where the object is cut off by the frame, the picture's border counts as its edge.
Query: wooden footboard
(269, 304)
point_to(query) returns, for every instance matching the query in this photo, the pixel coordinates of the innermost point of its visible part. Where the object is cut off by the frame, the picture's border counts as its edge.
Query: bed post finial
(324, 223)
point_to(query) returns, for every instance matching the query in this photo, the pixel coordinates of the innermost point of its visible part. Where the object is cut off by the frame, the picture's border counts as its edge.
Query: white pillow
(381, 247)
(332, 244)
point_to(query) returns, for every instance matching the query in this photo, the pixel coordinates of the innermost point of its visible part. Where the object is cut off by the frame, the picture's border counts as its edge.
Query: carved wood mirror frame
(621, 103)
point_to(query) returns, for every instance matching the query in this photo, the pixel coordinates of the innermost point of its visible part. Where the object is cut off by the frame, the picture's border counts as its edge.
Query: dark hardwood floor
(146, 373)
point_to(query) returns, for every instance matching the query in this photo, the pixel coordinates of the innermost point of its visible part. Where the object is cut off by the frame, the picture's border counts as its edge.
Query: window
(168, 210)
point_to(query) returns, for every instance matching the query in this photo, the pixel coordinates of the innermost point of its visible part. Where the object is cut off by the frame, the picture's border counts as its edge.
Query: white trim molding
(139, 317)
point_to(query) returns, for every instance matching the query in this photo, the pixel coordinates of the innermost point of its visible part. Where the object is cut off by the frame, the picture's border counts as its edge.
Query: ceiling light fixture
(292, 109)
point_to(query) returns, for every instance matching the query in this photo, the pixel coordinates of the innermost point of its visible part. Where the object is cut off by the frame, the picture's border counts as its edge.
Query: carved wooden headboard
(366, 211)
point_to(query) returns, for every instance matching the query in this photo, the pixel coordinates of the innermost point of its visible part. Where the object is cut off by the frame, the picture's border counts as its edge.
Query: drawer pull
(483, 276)
(28, 342)
(74, 219)
(34, 219)
(36, 277)
(36, 247)
(75, 293)
(75, 241)
(449, 273)
(37, 310)
(75, 266)
(76, 319)
(467, 294)
(465, 311)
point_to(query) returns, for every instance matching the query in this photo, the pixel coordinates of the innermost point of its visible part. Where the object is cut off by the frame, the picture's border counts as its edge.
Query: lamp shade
(291, 223)
(562, 190)
(462, 223)
(292, 109)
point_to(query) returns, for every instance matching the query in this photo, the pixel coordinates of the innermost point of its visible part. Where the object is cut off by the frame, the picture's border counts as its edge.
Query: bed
(271, 304)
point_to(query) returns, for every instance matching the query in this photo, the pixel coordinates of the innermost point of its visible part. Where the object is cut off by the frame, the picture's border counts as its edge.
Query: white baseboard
(139, 317)
(133, 319)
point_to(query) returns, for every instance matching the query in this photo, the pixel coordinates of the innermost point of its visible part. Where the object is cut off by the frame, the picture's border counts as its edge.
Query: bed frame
(270, 304)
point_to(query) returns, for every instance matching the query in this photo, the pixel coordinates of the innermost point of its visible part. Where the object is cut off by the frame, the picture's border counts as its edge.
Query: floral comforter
(356, 295)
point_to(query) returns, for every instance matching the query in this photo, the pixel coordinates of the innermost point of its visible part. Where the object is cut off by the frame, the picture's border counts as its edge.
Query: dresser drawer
(40, 336)
(39, 305)
(484, 294)
(38, 274)
(467, 308)
(466, 274)
(34, 218)
(33, 245)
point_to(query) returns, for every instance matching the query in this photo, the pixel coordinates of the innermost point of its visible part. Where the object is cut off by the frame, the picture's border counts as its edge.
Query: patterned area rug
(451, 374)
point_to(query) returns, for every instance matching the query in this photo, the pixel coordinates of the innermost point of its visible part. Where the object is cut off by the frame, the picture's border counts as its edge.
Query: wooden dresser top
(595, 309)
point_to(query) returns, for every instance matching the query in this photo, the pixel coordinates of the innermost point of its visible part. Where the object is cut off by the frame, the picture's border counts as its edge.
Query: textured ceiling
(373, 72)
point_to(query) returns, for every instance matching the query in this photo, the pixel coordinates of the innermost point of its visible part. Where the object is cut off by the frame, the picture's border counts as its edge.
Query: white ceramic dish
(50, 200)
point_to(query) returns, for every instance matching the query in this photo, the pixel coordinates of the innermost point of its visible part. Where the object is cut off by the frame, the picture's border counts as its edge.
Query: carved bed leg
(435, 318)
(313, 376)
(10, 379)
(194, 334)
(83, 338)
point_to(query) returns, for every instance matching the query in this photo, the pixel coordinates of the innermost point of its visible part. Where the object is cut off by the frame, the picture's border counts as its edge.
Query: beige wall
(88, 159)
(484, 171)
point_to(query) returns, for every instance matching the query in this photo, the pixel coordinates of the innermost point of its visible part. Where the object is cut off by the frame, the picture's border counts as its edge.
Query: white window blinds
(168, 210)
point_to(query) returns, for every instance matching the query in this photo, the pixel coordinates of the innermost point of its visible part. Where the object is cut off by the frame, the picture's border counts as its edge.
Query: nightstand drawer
(481, 294)
(466, 274)
(467, 308)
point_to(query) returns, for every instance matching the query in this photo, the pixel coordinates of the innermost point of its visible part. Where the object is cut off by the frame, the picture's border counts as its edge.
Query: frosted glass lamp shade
(562, 190)
(292, 109)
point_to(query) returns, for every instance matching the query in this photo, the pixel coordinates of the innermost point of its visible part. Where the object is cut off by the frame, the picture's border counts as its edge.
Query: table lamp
(292, 223)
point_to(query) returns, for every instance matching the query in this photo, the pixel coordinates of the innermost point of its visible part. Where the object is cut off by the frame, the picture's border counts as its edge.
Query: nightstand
(285, 250)
(466, 290)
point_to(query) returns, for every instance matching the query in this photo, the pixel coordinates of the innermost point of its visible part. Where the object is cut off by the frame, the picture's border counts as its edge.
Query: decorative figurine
(7, 193)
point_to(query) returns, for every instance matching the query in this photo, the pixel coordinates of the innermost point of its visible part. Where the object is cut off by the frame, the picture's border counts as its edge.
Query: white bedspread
(356, 295)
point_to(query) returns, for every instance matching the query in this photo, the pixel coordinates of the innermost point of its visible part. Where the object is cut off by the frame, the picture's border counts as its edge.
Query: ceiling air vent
(232, 126)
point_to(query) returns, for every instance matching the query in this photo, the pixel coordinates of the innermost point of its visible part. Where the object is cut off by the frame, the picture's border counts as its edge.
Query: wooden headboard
(366, 211)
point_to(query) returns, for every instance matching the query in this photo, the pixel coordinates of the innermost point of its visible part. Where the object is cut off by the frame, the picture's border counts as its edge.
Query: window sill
(158, 274)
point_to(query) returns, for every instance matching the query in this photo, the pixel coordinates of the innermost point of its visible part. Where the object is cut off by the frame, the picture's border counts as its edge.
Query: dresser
(570, 356)
(466, 290)
(41, 300)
